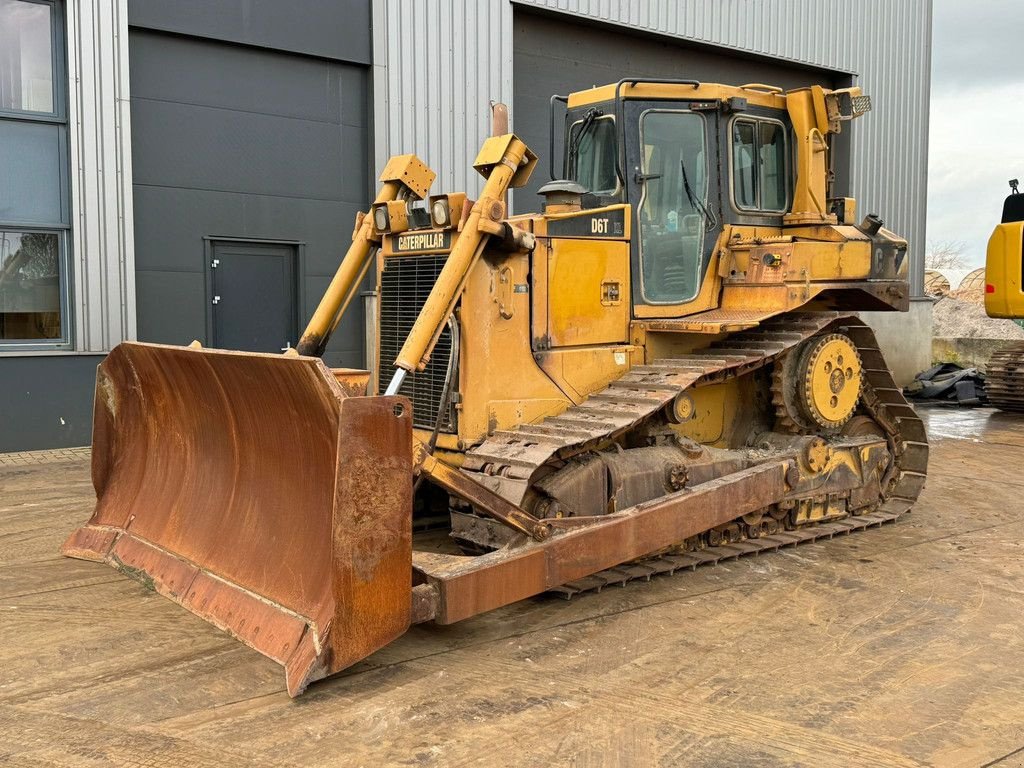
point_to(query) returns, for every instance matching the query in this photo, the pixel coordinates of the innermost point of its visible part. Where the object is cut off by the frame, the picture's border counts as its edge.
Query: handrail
(551, 132)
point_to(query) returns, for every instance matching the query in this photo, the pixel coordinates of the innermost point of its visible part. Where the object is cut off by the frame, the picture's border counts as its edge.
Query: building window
(26, 56)
(30, 286)
(35, 218)
(760, 175)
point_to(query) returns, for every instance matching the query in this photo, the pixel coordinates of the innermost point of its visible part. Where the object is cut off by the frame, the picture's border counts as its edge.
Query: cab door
(673, 184)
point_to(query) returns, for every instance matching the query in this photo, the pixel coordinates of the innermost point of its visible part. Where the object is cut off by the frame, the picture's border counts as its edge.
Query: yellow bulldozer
(663, 367)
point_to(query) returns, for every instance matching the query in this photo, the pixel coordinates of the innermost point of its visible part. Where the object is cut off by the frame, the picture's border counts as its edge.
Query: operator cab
(688, 158)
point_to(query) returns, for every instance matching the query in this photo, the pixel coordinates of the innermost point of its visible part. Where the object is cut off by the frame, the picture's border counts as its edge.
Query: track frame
(589, 553)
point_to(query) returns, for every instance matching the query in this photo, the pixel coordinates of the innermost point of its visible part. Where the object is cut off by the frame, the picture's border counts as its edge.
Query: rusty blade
(250, 490)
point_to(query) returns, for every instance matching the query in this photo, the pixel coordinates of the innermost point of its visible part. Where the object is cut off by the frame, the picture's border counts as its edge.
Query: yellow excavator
(1004, 297)
(662, 368)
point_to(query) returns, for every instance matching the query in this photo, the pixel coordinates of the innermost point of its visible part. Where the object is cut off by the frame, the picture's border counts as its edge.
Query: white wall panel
(103, 271)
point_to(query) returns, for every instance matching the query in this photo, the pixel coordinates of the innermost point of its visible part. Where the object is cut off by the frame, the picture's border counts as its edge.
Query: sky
(976, 137)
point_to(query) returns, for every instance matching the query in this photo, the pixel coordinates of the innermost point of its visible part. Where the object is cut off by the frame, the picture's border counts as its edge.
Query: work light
(440, 212)
(446, 211)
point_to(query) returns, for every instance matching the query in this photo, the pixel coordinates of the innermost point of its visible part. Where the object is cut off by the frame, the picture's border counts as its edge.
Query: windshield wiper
(575, 141)
(710, 222)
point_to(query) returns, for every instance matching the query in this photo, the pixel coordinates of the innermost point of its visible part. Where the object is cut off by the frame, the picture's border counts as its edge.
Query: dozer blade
(248, 488)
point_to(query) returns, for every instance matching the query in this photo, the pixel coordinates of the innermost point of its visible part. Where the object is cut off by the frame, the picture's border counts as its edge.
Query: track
(1004, 382)
(508, 460)
(669, 564)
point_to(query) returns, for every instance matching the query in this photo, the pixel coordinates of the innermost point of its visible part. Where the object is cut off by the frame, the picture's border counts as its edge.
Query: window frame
(757, 121)
(63, 229)
(643, 196)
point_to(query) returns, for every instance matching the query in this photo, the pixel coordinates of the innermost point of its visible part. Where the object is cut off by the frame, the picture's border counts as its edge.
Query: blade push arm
(505, 161)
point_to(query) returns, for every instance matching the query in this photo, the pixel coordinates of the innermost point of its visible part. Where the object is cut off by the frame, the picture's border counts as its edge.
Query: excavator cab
(1004, 260)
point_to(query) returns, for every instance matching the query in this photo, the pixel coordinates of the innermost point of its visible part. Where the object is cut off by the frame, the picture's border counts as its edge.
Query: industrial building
(192, 170)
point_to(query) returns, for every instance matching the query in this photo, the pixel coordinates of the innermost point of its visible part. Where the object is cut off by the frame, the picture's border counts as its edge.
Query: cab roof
(757, 94)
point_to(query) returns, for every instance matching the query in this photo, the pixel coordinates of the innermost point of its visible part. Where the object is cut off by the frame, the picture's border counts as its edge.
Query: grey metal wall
(331, 29)
(436, 66)
(99, 129)
(47, 401)
(238, 132)
(438, 62)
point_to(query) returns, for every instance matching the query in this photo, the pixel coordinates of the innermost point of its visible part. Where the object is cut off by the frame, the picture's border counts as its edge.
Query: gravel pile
(965, 318)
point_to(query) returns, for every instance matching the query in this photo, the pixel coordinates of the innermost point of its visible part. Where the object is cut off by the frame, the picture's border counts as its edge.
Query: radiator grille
(405, 283)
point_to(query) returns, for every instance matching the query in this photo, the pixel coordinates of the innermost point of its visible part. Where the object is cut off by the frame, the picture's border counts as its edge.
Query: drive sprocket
(816, 387)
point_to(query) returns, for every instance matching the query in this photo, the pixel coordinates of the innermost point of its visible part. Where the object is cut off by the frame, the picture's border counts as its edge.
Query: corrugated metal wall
(437, 63)
(102, 248)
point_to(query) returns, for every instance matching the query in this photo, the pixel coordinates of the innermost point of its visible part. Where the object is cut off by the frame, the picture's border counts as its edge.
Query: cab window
(673, 213)
(744, 149)
(590, 155)
(759, 168)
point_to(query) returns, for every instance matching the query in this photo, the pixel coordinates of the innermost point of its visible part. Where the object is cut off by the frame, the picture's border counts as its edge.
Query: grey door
(253, 300)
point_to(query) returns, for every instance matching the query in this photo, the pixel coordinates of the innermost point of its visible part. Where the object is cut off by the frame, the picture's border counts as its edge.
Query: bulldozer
(664, 367)
(1004, 297)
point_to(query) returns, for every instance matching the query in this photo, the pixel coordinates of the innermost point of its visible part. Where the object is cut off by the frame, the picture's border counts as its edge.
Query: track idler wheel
(817, 386)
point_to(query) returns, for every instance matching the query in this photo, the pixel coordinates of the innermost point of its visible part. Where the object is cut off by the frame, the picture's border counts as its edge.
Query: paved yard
(897, 646)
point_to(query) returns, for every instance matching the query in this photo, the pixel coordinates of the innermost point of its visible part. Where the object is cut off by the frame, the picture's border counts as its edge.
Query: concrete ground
(896, 646)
